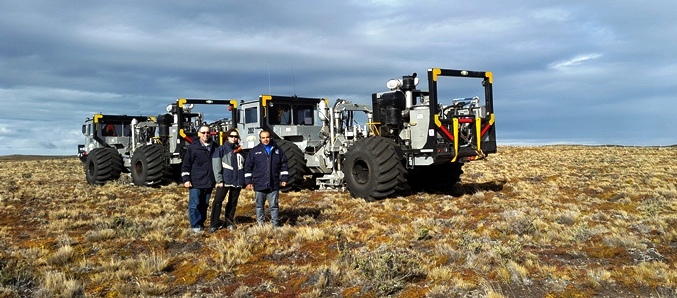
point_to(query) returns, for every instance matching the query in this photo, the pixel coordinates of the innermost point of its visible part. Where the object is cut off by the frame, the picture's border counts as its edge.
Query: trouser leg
(217, 205)
(274, 208)
(231, 205)
(203, 205)
(260, 198)
(193, 202)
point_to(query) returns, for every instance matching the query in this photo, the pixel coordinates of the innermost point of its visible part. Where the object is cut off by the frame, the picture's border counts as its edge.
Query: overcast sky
(581, 72)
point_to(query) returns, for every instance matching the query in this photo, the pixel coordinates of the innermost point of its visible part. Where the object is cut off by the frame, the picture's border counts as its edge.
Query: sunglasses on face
(204, 132)
(232, 136)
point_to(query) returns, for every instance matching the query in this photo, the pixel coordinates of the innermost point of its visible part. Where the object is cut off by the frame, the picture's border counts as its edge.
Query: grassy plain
(552, 221)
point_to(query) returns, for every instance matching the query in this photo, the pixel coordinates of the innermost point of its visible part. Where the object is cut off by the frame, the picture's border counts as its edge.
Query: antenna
(293, 78)
(269, 92)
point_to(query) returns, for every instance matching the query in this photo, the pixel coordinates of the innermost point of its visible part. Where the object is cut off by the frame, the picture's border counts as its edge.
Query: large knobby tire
(374, 169)
(148, 165)
(103, 164)
(118, 165)
(296, 164)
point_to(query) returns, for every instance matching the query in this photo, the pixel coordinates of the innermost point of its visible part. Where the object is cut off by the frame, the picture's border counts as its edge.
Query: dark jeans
(231, 205)
(198, 201)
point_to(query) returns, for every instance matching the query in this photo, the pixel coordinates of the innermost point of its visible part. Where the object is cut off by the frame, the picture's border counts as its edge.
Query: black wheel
(442, 177)
(117, 164)
(148, 165)
(373, 168)
(103, 164)
(296, 163)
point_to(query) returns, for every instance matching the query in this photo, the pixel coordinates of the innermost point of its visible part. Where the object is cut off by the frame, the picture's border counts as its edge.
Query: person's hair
(231, 131)
(262, 131)
(204, 125)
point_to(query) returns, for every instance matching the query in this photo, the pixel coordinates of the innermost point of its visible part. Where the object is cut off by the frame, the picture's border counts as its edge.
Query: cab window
(250, 115)
(280, 114)
(303, 115)
(286, 114)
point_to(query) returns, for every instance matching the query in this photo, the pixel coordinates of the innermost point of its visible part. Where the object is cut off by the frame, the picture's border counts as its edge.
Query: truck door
(250, 125)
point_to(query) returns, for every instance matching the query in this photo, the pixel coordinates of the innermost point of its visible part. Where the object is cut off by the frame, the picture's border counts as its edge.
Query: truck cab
(290, 118)
(109, 131)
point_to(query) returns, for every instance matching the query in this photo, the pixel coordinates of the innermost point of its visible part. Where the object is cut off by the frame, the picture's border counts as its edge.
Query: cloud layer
(579, 72)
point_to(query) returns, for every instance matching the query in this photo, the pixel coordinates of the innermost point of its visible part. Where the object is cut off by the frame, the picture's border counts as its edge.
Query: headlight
(394, 84)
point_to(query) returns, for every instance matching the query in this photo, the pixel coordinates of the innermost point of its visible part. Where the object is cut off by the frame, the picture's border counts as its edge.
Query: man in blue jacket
(198, 177)
(265, 170)
(228, 165)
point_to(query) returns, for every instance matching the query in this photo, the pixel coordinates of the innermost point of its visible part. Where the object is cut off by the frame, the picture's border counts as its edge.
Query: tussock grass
(149, 288)
(231, 252)
(62, 256)
(303, 234)
(152, 264)
(56, 284)
(95, 236)
(552, 221)
(17, 275)
(387, 270)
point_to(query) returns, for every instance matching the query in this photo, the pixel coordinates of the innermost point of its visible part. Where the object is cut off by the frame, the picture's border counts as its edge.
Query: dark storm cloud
(575, 72)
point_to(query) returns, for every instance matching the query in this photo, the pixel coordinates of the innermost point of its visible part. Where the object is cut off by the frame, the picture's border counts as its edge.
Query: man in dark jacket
(197, 176)
(265, 170)
(228, 165)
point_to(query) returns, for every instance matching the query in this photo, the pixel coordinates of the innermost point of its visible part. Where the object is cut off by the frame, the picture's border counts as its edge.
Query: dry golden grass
(553, 221)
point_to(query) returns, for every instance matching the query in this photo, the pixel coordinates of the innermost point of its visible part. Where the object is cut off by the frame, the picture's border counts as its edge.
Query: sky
(565, 72)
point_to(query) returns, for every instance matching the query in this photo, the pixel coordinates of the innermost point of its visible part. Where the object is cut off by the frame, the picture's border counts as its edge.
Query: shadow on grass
(460, 189)
(288, 215)
(472, 188)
